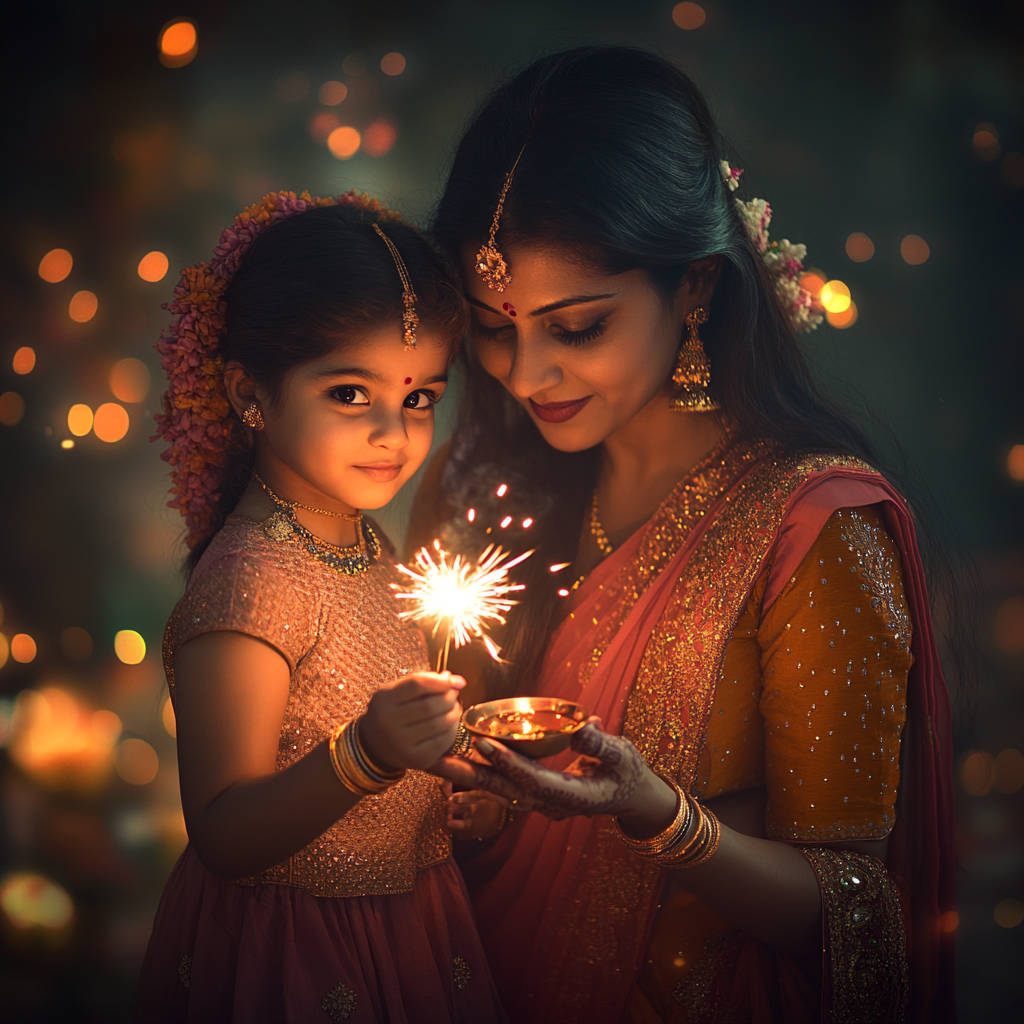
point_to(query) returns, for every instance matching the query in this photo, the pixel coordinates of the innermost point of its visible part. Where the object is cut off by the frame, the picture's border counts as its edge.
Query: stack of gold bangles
(354, 769)
(680, 845)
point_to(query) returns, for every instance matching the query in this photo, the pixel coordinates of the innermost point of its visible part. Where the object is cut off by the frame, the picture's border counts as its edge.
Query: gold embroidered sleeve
(864, 943)
(835, 655)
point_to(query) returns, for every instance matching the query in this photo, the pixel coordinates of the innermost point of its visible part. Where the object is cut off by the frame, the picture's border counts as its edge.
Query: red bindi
(408, 380)
(509, 308)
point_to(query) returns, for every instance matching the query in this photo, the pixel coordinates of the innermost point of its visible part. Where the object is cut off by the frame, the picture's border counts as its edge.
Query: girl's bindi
(408, 380)
(509, 308)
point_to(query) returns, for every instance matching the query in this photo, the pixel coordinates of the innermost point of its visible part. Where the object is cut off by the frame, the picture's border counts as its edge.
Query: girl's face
(583, 352)
(351, 427)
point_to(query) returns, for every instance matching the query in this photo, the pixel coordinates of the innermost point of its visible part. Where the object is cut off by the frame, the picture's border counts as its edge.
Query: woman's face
(352, 427)
(583, 352)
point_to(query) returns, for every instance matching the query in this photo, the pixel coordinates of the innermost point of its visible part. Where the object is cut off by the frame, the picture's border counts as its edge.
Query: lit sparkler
(461, 595)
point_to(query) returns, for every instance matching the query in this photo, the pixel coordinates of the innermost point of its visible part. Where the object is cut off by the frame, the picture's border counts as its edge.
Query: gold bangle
(351, 766)
(463, 742)
(702, 846)
(371, 767)
(664, 842)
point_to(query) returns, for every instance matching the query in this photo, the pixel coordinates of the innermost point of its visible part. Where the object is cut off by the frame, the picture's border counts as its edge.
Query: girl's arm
(242, 816)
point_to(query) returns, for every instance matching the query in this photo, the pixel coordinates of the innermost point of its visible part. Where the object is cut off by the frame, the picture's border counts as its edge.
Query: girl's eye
(348, 395)
(483, 331)
(568, 337)
(420, 400)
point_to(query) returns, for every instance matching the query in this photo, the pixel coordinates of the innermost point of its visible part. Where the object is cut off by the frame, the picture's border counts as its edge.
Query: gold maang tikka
(490, 264)
(692, 374)
(410, 321)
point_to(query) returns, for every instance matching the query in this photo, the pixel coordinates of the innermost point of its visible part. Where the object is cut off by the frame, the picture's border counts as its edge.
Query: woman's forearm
(259, 822)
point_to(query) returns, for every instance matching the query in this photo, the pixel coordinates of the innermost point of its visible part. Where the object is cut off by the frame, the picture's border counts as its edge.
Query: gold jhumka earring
(692, 374)
(253, 417)
(490, 264)
(410, 321)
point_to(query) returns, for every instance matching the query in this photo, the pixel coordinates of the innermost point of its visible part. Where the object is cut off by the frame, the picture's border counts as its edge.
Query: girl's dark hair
(307, 285)
(621, 166)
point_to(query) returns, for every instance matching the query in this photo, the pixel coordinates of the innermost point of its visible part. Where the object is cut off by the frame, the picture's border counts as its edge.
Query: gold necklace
(604, 545)
(346, 516)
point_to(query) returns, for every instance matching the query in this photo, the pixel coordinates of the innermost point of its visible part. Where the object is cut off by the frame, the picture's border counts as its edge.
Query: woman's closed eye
(421, 400)
(349, 394)
(580, 337)
(484, 331)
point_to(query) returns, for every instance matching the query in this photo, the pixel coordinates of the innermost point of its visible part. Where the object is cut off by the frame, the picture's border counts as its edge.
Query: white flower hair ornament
(784, 259)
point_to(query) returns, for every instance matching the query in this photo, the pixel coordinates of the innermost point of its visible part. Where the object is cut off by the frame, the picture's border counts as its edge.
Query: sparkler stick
(462, 596)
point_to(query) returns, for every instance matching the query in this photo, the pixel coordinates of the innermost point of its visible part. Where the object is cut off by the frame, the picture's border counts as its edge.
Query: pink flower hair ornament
(784, 259)
(198, 423)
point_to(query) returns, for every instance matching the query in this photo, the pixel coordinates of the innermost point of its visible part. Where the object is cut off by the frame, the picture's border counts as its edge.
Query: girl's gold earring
(253, 418)
(692, 374)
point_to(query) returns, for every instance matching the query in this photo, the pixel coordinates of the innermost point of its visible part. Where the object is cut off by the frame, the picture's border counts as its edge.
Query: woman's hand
(411, 722)
(476, 814)
(609, 777)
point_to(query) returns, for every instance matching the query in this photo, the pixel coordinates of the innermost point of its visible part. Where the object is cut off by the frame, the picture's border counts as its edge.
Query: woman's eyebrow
(576, 300)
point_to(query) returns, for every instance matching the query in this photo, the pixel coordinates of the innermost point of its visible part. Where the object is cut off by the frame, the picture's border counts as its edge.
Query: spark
(527, 523)
(460, 595)
(559, 567)
(505, 522)
(502, 490)
(471, 514)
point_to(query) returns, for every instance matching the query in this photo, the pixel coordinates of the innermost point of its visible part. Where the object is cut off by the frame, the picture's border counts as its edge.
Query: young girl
(317, 884)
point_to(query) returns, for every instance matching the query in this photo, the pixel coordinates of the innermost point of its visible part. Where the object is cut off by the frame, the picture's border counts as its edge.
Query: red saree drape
(564, 910)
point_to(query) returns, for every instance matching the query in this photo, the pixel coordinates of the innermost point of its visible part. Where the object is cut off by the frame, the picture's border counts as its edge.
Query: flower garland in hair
(784, 259)
(197, 422)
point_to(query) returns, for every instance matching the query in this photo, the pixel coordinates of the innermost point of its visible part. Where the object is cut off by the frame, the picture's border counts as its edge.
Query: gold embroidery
(708, 987)
(866, 958)
(462, 975)
(185, 970)
(339, 1003)
(876, 568)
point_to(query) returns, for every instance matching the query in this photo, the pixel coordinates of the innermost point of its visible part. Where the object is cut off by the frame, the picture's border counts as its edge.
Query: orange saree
(576, 927)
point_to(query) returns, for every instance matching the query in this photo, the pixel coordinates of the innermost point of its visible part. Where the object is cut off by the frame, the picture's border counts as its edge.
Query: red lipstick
(558, 412)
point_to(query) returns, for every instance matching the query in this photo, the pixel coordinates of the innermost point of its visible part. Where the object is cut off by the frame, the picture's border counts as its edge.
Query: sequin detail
(462, 973)
(340, 1003)
(342, 639)
(866, 952)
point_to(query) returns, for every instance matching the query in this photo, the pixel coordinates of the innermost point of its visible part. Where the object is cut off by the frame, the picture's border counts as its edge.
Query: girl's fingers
(471, 775)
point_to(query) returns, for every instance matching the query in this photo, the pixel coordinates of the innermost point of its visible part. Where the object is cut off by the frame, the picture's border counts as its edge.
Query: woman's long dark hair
(621, 164)
(307, 285)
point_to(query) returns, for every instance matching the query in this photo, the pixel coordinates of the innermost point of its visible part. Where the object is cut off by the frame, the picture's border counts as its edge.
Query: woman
(744, 601)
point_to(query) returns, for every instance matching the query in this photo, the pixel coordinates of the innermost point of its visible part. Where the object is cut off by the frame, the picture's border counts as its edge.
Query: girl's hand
(476, 814)
(609, 777)
(411, 722)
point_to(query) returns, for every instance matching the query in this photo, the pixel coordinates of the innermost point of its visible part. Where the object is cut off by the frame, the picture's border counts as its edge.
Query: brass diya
(534, 726)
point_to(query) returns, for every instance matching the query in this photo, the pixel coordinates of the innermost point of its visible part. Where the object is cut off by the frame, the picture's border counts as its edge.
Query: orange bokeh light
(79, 419)
(1008, 768)
(344, 142)
(392, 64)
(178, 43)
(55, 265)
(914, 250)
(859, 247)
(835, 296)
(1011, 170)
(153, 266)
(136, 762)
(331, 94)
(321, 125)
(82, 307)
(5, 650)
(110, 423)
(949, 921)
(379, 137)
(844, 319)
(32, 902)
(23, 648)
(1015, 462)
(976, 773)
(167, 716)
(1008, 626)
(986, 142)
(688, 16)
(813, 281)
(24, 360)
(130, 380)
(12, 408)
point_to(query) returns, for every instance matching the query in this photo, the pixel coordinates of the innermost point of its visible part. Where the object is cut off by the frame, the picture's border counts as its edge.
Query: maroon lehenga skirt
(224, 952)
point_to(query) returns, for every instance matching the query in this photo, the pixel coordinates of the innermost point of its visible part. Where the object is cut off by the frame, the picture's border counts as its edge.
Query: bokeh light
(178, 43)
(321, 125)
(82, 307)
(136, 762)
(55, 265)
(1008, 769)
(130, 380)
(1015, 462)
(30, 901)
(1008, 626)
(847, 318)
(24, 360)
(344, 142)
(12, 408)
(62, 743)
(1008, 913)
(392, 64)
(5, 650)
(354, 65)
(23, 648)
(949, 921)
(914, 250)
(379, 137)
(67, 444)
(153, 266)
(976, 773)
(79, 419)
(75, 643)
(812, 281)
(331, 94)
(859, 247)
(986, 142)
(110, 423)
(1011, 170)
(688, 16)
(835, 297)
(168, 718)
(129, 646)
